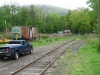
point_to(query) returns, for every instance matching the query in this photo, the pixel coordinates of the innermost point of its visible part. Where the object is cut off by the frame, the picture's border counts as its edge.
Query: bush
(1, 35)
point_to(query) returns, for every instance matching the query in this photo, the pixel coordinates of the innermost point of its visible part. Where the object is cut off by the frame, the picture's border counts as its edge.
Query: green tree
(5, 16)
(25, 16)
(31, 16)
(93, 4)
(80, 21)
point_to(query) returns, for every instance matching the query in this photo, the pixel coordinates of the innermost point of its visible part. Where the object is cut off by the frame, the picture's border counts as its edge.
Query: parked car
(14, 48)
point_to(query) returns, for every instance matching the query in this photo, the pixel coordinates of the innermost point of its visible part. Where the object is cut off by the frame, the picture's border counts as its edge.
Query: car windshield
(14, 42)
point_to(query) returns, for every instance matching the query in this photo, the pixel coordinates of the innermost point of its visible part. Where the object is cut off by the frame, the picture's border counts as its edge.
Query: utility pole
(5, 26)
(99, 22)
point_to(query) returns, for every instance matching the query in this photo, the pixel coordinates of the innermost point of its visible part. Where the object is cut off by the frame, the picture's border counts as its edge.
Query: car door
(26, 47)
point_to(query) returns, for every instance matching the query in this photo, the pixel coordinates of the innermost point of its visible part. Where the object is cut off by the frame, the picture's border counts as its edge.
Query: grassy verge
(2, 44)
(85, 62)
(49, 41)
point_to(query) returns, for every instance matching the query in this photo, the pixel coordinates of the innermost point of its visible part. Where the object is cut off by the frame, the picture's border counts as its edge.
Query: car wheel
(31, 51)
(16, 56)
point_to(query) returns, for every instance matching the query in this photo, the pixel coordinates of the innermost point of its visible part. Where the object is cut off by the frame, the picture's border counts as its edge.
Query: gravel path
(8, 66)
(57, 67)
(78, 45)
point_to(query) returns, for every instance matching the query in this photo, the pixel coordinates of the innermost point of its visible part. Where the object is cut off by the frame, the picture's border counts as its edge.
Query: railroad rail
(41, 65)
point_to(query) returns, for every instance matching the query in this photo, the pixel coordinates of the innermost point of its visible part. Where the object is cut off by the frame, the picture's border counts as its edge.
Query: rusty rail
(51, 62)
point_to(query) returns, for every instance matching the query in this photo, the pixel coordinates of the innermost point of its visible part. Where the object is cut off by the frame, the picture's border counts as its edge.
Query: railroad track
(40, 65)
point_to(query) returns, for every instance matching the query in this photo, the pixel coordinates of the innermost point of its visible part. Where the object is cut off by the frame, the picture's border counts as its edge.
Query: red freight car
(24, 32)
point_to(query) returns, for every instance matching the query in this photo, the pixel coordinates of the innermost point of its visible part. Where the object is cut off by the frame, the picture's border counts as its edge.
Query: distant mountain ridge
(53, 9)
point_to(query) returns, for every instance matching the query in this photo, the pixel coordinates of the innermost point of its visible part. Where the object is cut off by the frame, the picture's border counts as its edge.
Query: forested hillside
(51, 9)
(46, 18)
(50, 19)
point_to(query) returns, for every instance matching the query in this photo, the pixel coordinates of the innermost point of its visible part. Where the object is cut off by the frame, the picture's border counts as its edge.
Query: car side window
(24, 43)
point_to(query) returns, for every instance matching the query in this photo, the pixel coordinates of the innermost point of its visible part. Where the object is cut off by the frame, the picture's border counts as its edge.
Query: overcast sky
(69, 4)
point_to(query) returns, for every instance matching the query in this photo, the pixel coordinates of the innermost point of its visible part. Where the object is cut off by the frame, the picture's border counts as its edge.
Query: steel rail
(42, 73)
(26, 66)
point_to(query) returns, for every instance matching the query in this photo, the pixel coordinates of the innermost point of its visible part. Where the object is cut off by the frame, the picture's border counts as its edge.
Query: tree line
(80, 20)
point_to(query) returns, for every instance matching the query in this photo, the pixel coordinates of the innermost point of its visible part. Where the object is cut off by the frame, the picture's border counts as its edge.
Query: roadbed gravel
(57, 68)
(8, 66)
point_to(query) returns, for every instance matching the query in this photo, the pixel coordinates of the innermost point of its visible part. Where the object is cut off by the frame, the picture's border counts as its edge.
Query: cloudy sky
(69, 4)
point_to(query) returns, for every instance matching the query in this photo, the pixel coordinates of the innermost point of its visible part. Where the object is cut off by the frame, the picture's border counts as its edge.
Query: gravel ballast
(8, 66)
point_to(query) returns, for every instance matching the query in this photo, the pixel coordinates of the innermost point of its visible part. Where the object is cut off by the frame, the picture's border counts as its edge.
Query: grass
(49, 41)
(2, 44)
(85, 62)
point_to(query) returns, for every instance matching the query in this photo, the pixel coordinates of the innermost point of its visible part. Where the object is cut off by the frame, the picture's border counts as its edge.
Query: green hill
(52, 9)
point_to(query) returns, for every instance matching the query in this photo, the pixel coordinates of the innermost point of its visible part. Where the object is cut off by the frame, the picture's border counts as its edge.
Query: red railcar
(24, 32)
